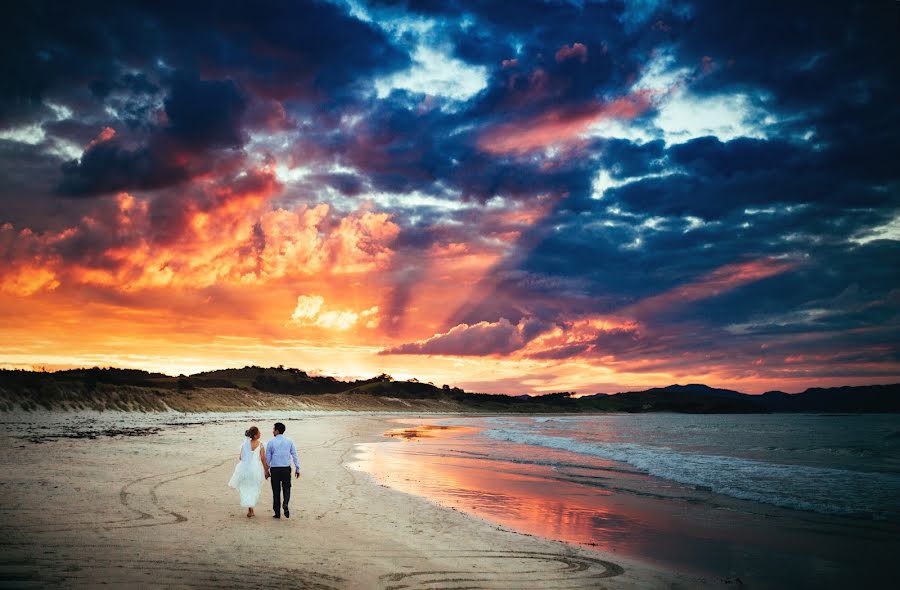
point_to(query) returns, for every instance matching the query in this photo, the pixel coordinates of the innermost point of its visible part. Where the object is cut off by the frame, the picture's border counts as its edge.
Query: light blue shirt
(280, 451)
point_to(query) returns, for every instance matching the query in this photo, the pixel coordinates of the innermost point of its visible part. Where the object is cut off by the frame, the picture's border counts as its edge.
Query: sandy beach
(153, 510)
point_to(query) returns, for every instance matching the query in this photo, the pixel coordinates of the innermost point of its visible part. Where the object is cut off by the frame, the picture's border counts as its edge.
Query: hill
(675, 398)
(699, 398)
(285, 388)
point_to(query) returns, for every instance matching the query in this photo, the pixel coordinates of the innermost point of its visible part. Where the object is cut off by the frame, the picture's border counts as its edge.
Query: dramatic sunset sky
(514, 196)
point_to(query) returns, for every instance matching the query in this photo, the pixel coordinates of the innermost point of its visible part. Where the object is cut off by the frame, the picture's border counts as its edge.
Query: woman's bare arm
(262, 456)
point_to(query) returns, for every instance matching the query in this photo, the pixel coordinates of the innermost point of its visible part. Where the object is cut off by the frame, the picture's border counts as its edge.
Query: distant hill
(698, 388)
(698, 398)
(285, 388)
(694, 399)
(865, 398)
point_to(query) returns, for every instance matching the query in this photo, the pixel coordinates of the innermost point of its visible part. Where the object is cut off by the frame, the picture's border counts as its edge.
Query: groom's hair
(279, 427)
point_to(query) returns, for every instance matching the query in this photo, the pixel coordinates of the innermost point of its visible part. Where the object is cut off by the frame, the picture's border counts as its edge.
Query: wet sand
(154, 510)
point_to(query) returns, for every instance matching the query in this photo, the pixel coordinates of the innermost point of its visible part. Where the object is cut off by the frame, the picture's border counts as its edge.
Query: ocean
(783, 500)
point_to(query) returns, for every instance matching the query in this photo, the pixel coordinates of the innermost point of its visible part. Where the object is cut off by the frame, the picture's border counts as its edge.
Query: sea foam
(817, 489)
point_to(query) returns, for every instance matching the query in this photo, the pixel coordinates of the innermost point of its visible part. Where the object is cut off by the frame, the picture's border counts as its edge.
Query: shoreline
(159, 503)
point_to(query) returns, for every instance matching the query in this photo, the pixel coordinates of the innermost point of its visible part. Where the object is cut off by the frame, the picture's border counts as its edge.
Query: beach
(133, 499)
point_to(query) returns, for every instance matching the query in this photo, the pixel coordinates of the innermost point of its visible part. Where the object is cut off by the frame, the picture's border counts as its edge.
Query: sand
(154, 510)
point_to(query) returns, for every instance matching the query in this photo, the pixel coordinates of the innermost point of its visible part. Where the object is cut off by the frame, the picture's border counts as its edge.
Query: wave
(816, 489)
(554, 463)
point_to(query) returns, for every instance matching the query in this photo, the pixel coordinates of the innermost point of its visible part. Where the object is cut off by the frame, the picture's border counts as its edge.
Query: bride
(249, 473)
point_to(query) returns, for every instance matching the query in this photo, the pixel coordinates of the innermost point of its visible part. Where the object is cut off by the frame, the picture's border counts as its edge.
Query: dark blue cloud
(109, 167)
(710, 179)
(289, 50)
(206, 113)
(204, 64)
(203, 116)
(626, 159)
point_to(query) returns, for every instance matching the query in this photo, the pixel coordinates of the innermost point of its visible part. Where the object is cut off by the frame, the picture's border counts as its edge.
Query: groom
(279, 453)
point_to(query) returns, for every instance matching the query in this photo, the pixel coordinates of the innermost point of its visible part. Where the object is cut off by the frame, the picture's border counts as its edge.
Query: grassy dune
(202, 399)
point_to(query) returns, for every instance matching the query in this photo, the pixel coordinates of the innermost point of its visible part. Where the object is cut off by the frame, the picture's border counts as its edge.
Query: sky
(528, 197)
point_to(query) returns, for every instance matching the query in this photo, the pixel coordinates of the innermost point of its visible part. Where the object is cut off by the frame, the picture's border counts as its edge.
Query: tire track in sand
(137, 502)
(144, 502)
(41, 572)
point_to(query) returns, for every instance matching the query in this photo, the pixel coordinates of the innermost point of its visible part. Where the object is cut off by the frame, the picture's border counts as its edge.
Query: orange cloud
(26, 279)
(360, 243)
(311, 311)
(30, 264)
(230, 236)
(105, 135)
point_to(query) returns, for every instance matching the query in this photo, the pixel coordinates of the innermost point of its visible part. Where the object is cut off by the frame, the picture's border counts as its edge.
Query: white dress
(248, 475)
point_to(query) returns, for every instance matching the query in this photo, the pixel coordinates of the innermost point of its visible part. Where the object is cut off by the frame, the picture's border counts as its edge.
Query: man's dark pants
(281, 482)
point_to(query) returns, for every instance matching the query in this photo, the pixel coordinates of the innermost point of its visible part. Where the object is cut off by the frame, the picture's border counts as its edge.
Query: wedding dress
(248, 475)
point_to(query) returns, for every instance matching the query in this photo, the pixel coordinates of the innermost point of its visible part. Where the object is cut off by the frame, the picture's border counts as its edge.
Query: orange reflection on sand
(446, 466)
(423, 431)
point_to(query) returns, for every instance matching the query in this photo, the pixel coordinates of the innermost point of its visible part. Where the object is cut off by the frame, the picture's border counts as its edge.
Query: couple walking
(272, 461)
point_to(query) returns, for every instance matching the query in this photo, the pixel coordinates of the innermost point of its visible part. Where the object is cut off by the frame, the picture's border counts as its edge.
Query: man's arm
(295, 458)
(270, 450)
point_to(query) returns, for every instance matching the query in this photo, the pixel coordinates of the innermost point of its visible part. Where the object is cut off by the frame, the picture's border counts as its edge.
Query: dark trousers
(281, 482)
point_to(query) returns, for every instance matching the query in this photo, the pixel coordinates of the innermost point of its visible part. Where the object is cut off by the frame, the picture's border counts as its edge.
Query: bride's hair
(251, 432)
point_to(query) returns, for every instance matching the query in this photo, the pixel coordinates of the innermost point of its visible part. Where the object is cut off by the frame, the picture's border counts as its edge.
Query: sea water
(838, 464)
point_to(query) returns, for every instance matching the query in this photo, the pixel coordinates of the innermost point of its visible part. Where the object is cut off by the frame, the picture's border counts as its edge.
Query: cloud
(109, 167)
(626, 332)
(591, 338)
(558, 126)
(203, 117)
(484, 338)
(227, 233)
(435, 74)
(27, 276)
(576, 51)
(308, 307)
(302, 49)
(206, 113)
(105, 134)
(717, 282)
(665, 194)
(311, 311)
(712, 179)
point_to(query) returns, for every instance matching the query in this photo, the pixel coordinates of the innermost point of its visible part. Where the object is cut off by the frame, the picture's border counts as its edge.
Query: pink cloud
(608, 338)
(559, 125)
(576, 51)
(721, 280)
(484, 338)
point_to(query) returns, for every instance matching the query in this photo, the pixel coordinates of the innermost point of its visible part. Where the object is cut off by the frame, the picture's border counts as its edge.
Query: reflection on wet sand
(520, 496)
(423, 431)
